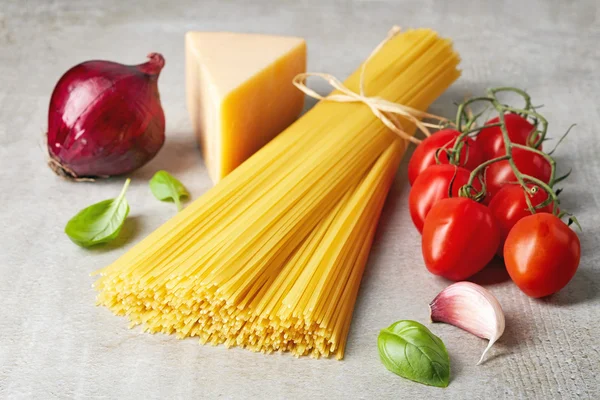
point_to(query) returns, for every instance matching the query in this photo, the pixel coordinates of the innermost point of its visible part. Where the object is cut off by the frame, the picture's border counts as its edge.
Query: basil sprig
(100, 222)
(409, 349)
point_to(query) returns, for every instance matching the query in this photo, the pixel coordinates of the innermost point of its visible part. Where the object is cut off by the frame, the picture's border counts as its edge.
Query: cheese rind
(240, 93)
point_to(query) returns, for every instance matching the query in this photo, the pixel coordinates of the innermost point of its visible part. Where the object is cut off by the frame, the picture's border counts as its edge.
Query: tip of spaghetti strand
(396, 29)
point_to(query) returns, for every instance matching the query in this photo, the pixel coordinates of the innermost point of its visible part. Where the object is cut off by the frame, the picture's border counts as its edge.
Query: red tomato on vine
(541, 254)
(460, 237)
(529, 163)
(491, 140)
(433, 185)
(509, 206)
(424, 156)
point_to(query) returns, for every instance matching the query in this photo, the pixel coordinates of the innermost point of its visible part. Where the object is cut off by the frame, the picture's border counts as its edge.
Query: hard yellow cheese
(240, 93)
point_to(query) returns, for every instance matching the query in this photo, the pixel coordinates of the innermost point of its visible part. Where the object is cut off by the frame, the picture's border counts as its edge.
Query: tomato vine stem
(520, 92)
(536, 137)
(522, 178)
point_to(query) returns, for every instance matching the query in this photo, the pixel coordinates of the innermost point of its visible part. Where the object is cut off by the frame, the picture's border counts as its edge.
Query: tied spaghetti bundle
(271, 258)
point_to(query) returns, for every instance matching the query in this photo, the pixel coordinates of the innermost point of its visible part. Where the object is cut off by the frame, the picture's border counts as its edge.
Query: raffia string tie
(385, 110)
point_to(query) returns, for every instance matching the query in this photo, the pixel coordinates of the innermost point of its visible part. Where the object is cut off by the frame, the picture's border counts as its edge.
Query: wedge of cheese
(240, 93)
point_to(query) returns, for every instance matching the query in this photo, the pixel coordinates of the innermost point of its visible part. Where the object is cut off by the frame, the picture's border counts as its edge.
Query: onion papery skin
(105, 118)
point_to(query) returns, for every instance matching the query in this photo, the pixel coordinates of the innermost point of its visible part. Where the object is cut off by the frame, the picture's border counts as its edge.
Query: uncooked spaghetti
(271, 258)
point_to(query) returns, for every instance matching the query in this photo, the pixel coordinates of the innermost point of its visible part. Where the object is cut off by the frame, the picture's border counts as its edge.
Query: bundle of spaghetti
(271, 258)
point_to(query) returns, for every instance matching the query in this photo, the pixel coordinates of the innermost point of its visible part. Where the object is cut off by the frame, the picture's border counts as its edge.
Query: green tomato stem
(520, 92)
(509, 147)
(480, 128)
(539, 135)
(508, 144)
(461, 109)
(546, 188)
(454, 155)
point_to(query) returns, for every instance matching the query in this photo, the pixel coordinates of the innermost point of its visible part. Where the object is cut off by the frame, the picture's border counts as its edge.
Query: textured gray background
(54, 343)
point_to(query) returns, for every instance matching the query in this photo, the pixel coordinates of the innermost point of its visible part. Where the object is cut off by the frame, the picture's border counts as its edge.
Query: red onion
(105, 118)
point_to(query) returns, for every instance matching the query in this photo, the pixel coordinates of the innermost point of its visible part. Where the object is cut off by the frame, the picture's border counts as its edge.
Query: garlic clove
(472, 308)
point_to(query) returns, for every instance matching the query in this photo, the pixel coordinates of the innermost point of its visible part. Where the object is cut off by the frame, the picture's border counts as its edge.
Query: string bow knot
(384, 110)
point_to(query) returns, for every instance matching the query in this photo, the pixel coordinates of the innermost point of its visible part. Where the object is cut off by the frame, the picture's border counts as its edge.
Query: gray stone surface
(54, 343)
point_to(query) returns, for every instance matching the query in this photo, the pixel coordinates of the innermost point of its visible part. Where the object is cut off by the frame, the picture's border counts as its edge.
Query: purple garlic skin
(472, 308)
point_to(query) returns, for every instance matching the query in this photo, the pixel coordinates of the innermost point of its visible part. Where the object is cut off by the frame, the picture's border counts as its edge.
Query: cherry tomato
(460, 237)
(541, 254)
(431, 186)
(500, 173)
(509, 205)
(424, 156)
(491, 142)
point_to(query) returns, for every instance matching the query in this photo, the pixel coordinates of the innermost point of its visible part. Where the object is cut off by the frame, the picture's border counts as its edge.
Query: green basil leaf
(100, 222)
(409, 349)
(165, 186)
